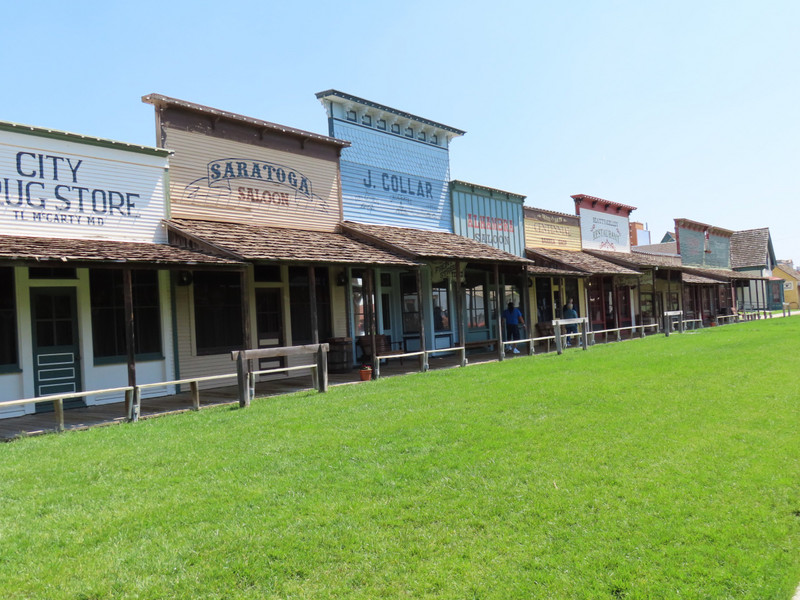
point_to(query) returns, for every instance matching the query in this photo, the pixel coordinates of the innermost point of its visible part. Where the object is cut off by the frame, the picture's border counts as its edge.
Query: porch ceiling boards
(258, 242)
(33, 250)
(420, 244)
(582, 261)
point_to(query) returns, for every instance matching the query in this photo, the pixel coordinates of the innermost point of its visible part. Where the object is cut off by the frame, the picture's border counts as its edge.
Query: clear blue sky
(681, 108)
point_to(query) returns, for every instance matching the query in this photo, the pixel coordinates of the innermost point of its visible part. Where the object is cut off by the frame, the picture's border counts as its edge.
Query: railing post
(584, 334)
(322, 367)
(243, 379)
(557, 333)
(251, 387)
(128, 403)
(194, 387)
(463, 356)
(58, 407)
(136, 405)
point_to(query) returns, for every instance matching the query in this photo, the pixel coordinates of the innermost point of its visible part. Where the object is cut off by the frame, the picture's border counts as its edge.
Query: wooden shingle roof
(421, 244)
(60, 250)
(749, 248)
(581, 261)
(640, 259)
(257, 243)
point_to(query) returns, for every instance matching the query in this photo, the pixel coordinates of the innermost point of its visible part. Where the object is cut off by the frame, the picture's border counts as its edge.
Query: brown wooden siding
(250, 200)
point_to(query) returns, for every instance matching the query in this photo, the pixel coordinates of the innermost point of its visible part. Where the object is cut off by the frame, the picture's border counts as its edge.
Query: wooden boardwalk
(110, 414)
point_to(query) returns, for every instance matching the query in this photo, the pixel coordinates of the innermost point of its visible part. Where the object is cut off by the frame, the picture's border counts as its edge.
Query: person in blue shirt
(513, 318)
(570, 313)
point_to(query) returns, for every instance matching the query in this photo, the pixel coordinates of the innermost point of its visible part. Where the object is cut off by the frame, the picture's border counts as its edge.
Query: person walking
(570, 313)
(513, 318)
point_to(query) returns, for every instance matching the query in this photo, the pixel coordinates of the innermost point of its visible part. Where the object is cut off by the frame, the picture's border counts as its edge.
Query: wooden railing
(246, 377)
(58, 401)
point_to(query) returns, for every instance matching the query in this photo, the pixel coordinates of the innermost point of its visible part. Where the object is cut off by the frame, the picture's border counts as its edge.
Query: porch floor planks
(110, 414)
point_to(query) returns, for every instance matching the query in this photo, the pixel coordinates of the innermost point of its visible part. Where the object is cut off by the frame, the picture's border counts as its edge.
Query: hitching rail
(58, 401)
(319, 370)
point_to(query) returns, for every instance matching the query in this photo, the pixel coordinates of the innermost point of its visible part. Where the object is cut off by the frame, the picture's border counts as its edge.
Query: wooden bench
(384, 347)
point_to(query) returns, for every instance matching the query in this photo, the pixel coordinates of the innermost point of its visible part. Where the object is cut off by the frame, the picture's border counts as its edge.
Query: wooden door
(56, 345)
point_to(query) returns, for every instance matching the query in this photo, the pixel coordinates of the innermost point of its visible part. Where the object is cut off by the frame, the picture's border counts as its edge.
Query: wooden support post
(58, 407)
(526, 313)
(370, 318)
(130, 342)
(460, 314)
(501, 354)
(423, 360)
(247, 338)
(312, 302)
(194, 387)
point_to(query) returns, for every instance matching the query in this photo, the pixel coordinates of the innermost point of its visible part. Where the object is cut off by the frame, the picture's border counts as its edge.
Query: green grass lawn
(655, 468)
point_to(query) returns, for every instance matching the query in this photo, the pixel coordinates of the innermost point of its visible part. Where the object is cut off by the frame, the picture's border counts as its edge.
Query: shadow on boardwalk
(109, 414)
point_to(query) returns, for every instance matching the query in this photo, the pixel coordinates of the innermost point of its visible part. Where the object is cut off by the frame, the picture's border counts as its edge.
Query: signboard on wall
(223, 180)
(490, 217)
(389, 179)
(544, 229)
(51, 187)
(604, 231)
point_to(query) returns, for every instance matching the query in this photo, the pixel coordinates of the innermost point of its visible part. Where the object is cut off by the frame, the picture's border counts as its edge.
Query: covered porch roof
(261, 243)
(61, 252)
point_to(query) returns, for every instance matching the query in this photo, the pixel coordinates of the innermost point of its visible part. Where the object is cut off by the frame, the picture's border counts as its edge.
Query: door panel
(56, 345)
(269, 323)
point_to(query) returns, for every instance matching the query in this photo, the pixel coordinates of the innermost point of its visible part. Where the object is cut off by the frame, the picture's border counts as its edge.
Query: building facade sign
(545, 229)
(391, 180)
(604, 231)
(50, 187)
(488, 216)
(703, 245)
(224, 180)
(397, 168)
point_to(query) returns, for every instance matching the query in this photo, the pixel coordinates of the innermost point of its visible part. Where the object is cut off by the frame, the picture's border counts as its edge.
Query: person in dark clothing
(570, 313)
(513, 318)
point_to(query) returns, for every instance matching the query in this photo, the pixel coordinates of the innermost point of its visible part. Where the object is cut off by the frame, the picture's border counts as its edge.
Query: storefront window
(217, 312)
(441, 312)
(108, 313)
(300, 300)
(544, 301)
(476, 307)
(673, 301)
(571, 295)
(647, 306)
(8, 319)
(408, 286)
